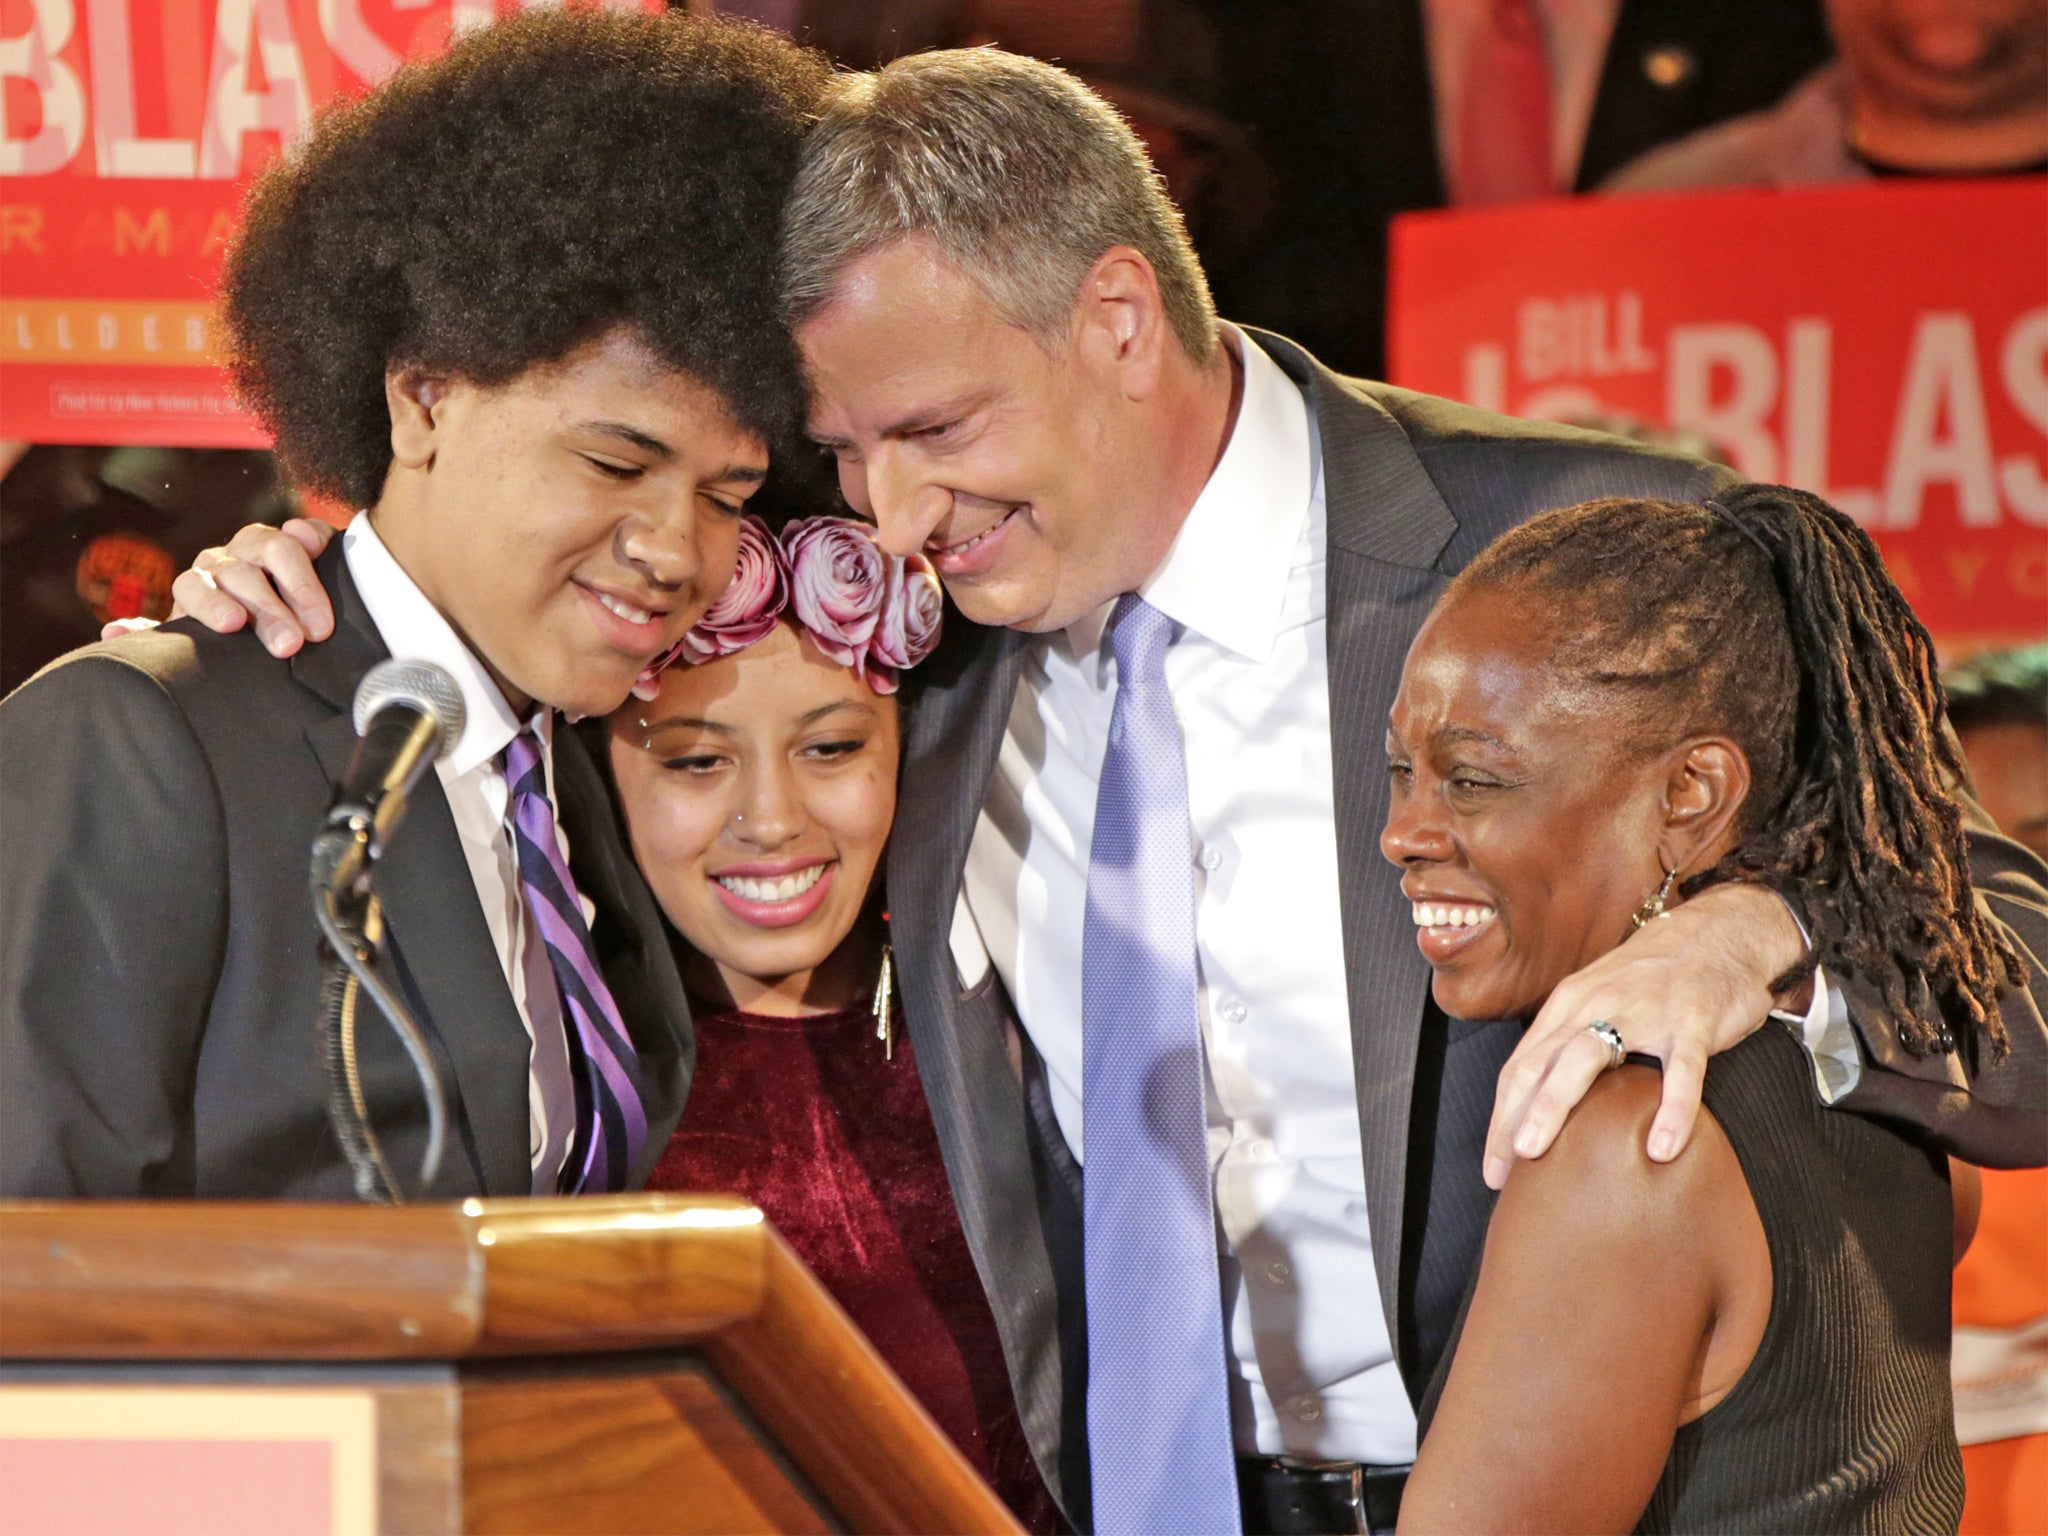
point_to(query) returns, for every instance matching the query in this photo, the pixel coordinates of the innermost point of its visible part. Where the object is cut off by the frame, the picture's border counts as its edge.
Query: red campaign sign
(1883, 344)
(129, 130)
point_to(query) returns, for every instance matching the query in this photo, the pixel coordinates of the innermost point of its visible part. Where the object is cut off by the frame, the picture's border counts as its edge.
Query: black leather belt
(1285, 1497)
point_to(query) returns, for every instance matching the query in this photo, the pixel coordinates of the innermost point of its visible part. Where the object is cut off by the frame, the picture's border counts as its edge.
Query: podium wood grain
(580, 1455)
(616, 1364)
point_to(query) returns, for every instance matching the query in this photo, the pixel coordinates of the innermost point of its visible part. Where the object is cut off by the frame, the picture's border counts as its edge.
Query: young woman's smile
(759, 790)
(777, 894)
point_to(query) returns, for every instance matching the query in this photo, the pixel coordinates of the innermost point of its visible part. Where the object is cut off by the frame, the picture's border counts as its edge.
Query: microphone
(408, 715)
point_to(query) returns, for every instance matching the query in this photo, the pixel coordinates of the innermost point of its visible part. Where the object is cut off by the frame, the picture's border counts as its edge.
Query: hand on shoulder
(1693, 983)
(263, 573)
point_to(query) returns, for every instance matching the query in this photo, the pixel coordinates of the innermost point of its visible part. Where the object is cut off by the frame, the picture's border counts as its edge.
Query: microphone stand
(343, 856)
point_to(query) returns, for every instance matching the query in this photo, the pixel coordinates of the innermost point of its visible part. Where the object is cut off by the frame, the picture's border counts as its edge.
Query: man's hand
(1693, 982)
(262, 573)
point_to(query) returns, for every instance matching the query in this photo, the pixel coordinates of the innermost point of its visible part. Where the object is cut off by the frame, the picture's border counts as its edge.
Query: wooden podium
(618, 1364)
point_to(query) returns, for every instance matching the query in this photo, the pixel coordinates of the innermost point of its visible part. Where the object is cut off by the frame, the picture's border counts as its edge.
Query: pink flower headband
(865, 609)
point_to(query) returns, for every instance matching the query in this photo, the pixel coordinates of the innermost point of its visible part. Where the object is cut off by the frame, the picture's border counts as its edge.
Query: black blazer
(1415, 488)
(159, 985)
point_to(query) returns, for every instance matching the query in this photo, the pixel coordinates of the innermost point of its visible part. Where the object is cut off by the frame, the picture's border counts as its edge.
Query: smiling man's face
(1014, 469)
(573, 523)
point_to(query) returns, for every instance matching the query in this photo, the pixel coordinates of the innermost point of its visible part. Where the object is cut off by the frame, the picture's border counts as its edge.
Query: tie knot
(521, 757)
(1138, 637)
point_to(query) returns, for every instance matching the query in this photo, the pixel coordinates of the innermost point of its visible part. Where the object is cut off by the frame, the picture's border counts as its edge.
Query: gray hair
(1019, 173)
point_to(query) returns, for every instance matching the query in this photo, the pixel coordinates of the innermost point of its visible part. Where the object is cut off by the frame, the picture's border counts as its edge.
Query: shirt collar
(414, 630)
(1225, 578)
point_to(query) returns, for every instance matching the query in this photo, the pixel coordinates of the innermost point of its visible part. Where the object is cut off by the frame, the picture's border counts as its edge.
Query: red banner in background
(128, 132)
(1885, 345)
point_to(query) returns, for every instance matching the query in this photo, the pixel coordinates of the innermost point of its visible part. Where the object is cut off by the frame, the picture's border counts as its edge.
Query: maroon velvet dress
(806, 1119)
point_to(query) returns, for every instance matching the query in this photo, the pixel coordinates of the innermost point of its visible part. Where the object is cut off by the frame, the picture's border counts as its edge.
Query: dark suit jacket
(1415, 487)
(159, 985)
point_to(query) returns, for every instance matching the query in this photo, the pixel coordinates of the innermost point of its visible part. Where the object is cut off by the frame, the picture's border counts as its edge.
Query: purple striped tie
(611, 1119)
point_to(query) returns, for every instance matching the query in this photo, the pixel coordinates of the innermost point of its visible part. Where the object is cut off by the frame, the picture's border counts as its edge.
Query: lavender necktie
(611, 1117)
(1159, 1438)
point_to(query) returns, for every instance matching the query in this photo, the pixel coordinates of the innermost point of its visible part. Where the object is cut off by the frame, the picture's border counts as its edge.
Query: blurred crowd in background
(1291, 132)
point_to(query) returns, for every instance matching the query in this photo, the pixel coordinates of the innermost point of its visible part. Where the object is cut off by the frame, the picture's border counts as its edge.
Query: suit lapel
(439, 936)
(1387, 526)
(956, 732)
(1016, 1190)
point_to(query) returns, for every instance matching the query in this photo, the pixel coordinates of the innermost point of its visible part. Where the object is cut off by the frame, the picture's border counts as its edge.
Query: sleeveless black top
(1843, 1420)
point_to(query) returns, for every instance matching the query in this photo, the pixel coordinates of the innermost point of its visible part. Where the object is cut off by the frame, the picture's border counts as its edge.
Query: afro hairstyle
(550, 178)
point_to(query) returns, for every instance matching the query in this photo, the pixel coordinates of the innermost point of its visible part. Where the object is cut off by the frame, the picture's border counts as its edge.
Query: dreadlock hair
(1768, 617)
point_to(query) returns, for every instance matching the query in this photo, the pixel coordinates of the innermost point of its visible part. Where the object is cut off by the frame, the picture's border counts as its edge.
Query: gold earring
(883, 1008)
(1653, 905)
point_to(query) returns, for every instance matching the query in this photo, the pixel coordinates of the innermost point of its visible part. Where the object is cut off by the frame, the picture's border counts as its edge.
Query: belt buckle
(1291, 1496)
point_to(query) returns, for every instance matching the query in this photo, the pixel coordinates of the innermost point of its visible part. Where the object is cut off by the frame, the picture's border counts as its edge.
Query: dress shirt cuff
(1829, 1038)
(1825, 1031)
(1798, 918)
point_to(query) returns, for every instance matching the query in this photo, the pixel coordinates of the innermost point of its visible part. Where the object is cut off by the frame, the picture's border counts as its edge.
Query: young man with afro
(517, 304)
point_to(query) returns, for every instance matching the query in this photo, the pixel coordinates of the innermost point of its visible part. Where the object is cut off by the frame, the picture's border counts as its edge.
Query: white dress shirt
(1250, 683)
(479, 799)
(1249, 676)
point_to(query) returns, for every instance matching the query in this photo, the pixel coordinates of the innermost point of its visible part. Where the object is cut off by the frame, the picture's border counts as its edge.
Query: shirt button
(1307, 1409)
(1211, 857)
(1260, 1150)
(1279, 1272)
(1234, 1011)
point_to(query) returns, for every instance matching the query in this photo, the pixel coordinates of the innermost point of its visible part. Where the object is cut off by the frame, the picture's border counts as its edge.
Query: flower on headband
(744, 612)
(751, 603)
(909, 627)
(838, 582)
(865, 609)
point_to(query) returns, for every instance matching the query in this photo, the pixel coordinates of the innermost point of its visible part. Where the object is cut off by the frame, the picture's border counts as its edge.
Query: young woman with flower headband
(756, 769)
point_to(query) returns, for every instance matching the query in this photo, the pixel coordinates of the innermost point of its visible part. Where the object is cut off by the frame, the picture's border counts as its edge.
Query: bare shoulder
(1598, 1179)
(1596, 1298)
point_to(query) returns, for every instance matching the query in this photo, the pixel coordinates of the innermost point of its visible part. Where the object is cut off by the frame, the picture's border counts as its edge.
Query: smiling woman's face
(1525, 833)
(759, 791)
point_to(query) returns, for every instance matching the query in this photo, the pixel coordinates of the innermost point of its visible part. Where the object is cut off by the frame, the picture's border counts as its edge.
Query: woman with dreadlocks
(1612, 708)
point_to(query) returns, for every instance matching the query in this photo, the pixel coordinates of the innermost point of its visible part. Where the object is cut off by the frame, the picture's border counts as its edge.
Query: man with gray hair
(1138, 908)
(1148, 800)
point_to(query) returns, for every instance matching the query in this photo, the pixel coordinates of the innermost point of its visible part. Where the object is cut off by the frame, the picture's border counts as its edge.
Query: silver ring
(1609, 1036)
